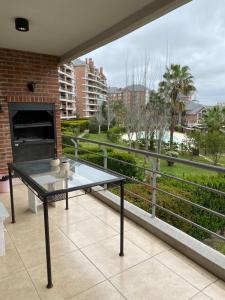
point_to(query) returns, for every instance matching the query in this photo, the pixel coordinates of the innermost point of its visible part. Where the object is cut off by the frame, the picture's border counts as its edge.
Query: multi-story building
(115, 93)
(67, 91)
(132, 93)
(193, 113)
(91, 87)
(136, 93)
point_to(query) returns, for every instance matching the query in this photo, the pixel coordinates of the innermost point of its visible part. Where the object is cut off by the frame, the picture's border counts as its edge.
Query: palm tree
(177, 81)
(214, 118)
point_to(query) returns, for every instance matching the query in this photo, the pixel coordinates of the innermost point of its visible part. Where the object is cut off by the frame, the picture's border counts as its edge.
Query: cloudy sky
(192, 35)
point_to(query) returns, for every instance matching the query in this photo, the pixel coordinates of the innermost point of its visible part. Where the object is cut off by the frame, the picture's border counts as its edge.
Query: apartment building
(193, 113)
(115, 93)
(67, 91)
(132, 93)
(91, 87)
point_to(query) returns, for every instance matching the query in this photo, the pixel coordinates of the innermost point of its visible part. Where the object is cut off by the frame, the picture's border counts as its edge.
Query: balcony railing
(152, 184)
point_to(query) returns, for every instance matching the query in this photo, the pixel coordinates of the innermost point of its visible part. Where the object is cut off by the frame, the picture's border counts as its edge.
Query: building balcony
(91, 98)
(90, 109)
(98, 81)
(91, 104)
(67, 100)
(95, 86)
(68, 117)
(64, 90)
(91, 75)
(86, 264)
(66, 82)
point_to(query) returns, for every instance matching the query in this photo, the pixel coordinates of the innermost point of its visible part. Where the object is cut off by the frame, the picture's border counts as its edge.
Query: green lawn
(179, 170)
(102, 137)
(222, 161)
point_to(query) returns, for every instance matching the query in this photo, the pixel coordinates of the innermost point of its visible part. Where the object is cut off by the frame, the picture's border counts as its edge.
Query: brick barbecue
(17, 69)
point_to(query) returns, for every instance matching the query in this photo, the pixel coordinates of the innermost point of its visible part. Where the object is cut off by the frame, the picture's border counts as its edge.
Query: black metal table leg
(67, 201)
(11, 196)
(47, 244)
(121, 218)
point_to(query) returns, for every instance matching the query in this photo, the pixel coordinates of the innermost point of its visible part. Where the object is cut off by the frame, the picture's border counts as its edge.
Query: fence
(201, 214)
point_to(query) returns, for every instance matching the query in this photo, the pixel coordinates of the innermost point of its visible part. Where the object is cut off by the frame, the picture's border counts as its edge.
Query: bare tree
(99, 115)
(162, 121)
(146, 114)
(110, 113)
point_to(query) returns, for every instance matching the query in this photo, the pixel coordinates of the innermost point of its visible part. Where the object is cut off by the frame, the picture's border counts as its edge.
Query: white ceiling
(70, 28)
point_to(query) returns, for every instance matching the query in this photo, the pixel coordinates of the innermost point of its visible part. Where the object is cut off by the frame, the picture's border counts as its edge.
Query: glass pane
(68, 174)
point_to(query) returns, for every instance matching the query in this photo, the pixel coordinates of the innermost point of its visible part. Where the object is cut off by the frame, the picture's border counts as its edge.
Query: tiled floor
(85, 260)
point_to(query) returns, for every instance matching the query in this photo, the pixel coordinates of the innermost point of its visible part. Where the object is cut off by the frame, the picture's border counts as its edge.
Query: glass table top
(69, 174)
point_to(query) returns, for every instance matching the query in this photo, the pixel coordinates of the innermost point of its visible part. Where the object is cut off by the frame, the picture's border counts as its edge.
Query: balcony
(85, 261)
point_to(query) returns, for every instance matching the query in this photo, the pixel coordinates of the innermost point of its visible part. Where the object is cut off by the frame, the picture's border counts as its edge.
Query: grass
(179, 170)
(222, 161)
(102, 137)
(219, 245)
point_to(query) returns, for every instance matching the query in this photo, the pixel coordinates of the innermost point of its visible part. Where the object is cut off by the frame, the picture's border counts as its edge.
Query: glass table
(53, 183)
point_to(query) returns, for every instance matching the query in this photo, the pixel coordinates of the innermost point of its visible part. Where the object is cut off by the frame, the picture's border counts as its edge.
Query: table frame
(49, 197)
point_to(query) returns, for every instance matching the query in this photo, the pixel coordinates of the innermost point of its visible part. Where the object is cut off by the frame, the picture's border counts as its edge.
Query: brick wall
(79, 72)
(134, 96)
(191, 119)
(17, 68)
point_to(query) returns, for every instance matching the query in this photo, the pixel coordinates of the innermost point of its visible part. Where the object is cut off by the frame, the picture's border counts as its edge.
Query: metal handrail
(168, 193)
(154, 155)
(178, 216)
(159, 173)
(154, 172)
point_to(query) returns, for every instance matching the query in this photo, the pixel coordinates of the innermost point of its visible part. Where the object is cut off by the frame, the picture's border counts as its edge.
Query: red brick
(17, 68)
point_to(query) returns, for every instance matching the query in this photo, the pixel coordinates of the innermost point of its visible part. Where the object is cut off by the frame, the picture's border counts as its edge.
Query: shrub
(197, 195)
(114, 133)
(172, 154)
(93, 126)
(66, 139)
(68, 151)
(74, 126)
(89, 147)
(179, 128)
(194, 194)
(125, 169)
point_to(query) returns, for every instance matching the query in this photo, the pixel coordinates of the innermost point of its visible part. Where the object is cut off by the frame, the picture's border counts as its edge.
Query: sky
(192, 35)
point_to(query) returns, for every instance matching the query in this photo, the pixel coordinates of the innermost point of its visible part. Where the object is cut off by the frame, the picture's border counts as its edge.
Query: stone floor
(85, 260)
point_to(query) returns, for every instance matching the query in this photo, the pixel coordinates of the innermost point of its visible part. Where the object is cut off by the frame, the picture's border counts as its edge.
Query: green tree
(211, 142)
(119, 110)
(214, 118)
(214, 144)
(176, 81)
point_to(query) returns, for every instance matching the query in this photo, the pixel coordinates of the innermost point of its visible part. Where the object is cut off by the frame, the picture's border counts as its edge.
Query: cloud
(191, 35)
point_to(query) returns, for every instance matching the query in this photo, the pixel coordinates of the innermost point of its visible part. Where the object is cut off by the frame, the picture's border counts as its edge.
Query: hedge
(93, 126)
(114, 133)
(194, 194)
(125, 169)
(71, 125)
(205, 198)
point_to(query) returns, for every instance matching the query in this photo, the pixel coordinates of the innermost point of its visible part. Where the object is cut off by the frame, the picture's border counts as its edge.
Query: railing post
(75, 148)
(154, 176)
(105, 161)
